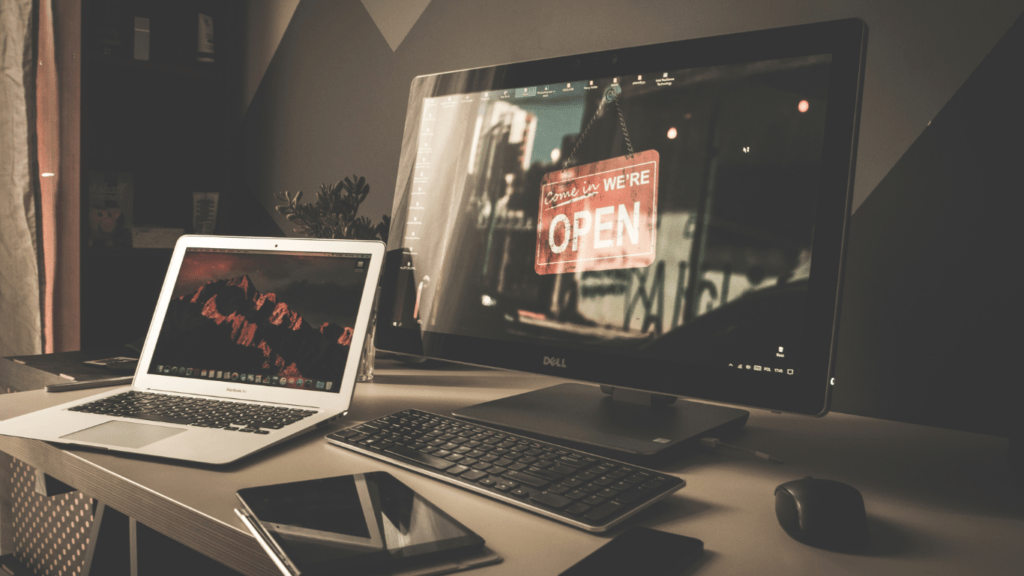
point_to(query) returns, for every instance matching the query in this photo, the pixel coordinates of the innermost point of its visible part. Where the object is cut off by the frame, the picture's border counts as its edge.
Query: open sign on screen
(599, 216)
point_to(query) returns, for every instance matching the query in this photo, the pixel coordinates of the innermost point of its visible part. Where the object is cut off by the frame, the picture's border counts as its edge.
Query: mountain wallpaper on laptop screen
(230, 325)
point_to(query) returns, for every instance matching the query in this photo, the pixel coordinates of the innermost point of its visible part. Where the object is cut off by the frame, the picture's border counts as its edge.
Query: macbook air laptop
(254, 341)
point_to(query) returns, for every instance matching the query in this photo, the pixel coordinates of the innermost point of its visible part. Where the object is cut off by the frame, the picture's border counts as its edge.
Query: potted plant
(335, 214)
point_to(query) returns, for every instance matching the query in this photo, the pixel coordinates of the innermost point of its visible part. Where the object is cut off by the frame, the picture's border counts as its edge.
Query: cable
(715, 443)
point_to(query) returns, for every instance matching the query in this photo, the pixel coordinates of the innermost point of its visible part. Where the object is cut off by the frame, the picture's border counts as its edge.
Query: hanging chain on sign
(611, 95)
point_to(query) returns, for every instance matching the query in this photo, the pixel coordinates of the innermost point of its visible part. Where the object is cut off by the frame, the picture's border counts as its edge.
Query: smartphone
(640, 550)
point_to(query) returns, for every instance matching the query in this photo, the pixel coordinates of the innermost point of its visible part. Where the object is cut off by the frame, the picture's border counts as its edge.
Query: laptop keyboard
(580, 489)
(191, 411)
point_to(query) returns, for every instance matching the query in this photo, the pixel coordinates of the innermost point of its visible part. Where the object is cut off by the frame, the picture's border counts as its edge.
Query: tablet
(358, 524)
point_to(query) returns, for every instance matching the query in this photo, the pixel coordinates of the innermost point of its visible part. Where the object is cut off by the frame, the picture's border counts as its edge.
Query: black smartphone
(640, 550)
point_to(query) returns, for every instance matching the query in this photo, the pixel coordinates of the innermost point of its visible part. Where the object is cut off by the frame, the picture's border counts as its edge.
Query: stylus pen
(69, 386)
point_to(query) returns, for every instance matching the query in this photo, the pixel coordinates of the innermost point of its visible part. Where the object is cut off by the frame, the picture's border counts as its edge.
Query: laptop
(253, 341)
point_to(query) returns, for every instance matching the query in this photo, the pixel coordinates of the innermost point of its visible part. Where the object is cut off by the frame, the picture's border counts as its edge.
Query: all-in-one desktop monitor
(666, 219)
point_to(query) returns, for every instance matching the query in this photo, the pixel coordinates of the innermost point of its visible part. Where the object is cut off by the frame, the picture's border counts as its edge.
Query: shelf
(198, 70)
(165, 121)
(126, 253)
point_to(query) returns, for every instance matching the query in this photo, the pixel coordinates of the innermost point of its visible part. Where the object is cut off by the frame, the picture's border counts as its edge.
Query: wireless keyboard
(583, 490)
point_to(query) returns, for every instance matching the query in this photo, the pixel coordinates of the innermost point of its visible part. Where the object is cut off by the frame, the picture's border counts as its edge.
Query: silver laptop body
(278, 323)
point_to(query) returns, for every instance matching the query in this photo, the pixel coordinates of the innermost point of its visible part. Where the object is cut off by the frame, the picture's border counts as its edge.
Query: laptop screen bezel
(254, 392)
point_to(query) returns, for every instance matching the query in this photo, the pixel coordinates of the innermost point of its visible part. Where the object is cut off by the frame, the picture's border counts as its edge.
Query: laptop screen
(270, 318)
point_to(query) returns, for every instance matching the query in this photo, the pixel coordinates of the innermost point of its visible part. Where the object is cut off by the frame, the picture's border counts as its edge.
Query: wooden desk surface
(938, 501)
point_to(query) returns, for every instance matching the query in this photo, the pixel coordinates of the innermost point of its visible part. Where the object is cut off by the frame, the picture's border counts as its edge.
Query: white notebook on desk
(253, 341)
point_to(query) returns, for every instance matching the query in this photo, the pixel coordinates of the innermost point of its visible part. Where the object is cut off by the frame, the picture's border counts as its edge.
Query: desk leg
(108, 550)
(122, 546)
(153, 554)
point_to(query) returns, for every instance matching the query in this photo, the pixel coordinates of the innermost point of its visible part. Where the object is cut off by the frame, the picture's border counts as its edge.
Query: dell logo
(552, 361)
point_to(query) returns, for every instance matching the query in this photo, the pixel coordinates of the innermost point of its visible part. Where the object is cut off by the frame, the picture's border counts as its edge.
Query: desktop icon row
(270, 379)
(758, 368)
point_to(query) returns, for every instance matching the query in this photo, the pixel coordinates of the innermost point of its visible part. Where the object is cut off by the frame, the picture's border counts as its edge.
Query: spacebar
(159, 418)
(432, 461)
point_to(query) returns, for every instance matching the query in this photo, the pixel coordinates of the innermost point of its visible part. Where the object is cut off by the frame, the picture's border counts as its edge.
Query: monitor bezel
(808, 392)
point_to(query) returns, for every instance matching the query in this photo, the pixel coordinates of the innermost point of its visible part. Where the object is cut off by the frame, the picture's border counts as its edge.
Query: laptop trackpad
(123, 434)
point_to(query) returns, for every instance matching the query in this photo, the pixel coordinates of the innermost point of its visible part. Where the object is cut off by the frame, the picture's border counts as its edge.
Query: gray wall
(333, 98)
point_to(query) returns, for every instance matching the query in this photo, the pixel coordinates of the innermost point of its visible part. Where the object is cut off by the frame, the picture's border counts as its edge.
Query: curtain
(21, 332)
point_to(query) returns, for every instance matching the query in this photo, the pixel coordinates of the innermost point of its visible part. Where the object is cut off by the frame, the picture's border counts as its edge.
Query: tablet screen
(355, 524)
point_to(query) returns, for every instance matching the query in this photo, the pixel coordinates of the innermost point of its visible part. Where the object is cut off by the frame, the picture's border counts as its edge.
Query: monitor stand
(625, 422)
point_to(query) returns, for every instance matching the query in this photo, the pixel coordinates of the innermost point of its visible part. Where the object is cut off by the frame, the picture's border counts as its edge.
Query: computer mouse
(823, 513)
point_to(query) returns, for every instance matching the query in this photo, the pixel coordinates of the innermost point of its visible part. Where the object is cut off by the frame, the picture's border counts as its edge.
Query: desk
(939, 502)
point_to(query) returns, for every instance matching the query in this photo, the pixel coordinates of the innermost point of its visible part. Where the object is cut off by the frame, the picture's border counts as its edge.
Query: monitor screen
(269, 318)
(668, 218)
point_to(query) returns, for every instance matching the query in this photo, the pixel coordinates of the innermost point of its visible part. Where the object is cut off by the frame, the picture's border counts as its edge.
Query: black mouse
(823, 513)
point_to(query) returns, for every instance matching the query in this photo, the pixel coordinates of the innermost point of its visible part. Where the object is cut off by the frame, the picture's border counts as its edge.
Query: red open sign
(598, 216)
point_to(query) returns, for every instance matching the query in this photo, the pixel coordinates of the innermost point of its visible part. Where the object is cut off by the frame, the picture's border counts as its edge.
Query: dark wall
(332, 103)
(930, 329)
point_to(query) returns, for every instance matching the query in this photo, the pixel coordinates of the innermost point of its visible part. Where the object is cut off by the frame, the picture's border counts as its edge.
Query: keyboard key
(578, 508)
(546, 474)
(637, 478)
(526, 478)
(427, 459)
(456, 470)
(474, 475)
(603, 511)
(562, 469)
(553, 500)
(630, 496)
